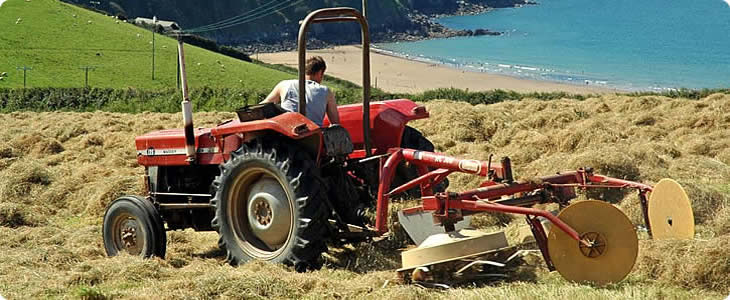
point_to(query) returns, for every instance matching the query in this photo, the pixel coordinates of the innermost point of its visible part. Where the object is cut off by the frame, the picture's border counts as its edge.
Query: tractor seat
(337, 141)
(259, 112)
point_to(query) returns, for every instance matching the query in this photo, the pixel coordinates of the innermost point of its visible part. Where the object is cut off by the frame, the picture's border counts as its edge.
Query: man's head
(315, 68)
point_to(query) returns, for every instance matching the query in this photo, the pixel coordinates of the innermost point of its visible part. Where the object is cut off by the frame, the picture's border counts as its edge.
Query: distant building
(166, 25)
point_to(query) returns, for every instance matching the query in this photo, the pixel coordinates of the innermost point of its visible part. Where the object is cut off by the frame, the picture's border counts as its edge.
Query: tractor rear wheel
(132, 224)
(269, 206)
(414, 139)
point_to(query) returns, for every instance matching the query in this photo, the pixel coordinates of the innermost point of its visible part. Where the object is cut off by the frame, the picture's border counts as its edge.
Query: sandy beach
(398, 75)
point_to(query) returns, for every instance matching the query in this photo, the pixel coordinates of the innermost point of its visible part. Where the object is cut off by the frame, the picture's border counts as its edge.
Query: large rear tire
(414, 139)
(132, 225)
(268, 206)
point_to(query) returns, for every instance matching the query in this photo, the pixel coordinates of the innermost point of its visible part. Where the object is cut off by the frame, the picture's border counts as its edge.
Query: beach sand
(400, 75)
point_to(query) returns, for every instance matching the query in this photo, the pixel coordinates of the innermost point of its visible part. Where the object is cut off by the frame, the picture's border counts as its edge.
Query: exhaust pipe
(187, 108)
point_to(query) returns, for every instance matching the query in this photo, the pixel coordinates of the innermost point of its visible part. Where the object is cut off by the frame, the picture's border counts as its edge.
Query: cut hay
(58, 179)
(691, 264)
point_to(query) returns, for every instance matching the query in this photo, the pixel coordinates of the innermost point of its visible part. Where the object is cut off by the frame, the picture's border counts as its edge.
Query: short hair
(314, 65)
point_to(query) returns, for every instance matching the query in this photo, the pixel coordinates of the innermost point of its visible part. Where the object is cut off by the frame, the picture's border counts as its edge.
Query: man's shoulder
(320, 86)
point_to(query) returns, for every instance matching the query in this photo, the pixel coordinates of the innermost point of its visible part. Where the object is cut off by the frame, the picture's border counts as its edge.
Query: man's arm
(274, 96)
(332, 113)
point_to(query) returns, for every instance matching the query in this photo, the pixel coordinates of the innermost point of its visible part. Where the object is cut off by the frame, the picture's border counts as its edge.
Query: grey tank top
(316, 99)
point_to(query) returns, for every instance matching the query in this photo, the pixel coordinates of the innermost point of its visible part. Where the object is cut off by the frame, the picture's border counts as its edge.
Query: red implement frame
(450, 207)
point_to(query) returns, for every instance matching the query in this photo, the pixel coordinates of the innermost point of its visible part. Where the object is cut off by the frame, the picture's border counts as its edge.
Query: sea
(644, 45)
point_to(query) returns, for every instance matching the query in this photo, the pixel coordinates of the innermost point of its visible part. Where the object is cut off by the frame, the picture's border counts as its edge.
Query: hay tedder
(277, 187)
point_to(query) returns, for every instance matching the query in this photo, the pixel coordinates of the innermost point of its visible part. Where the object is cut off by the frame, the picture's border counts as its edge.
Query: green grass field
(57, 39)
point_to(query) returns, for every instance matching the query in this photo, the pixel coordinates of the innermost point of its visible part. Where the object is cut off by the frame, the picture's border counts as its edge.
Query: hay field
(60, 170)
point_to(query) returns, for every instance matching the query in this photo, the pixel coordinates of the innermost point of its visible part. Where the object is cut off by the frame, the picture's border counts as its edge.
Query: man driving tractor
(320, 99)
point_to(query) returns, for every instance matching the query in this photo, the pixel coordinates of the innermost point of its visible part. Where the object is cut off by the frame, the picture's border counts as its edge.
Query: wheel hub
(269, 215)
(596, 244)
(129, 235)
(262, 211)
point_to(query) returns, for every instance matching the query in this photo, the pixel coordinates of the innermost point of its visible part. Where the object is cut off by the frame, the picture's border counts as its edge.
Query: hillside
(58, 179)
(385, 16)
(57, 39)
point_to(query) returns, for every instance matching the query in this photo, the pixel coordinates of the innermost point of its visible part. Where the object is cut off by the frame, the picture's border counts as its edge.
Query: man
(320, 99)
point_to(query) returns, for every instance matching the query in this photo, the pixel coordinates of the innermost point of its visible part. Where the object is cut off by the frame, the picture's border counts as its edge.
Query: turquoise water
(626, 44)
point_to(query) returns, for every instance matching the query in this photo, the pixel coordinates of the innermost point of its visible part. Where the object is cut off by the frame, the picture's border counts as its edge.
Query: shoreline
(397, 74)
(430, 28)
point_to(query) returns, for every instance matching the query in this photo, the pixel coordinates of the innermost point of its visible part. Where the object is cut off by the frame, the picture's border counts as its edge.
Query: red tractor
(277, 187)
(270, 182)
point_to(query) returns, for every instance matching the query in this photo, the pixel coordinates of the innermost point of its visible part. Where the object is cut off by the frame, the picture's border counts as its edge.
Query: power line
(243, 17)
(235, 18)
(71, 49)
(251, 18)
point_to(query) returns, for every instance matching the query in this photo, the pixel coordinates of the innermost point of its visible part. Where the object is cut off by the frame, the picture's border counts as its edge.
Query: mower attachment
(588, 241)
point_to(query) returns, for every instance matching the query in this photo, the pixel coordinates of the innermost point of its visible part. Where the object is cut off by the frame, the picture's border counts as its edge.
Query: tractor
(270, 182)
(277, 187)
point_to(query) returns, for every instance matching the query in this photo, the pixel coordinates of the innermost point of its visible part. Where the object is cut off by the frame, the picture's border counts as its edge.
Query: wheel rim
(260, 212)
(129, 234)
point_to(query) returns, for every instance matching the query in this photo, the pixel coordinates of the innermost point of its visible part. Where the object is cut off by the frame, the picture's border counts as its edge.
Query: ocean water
(624, 44)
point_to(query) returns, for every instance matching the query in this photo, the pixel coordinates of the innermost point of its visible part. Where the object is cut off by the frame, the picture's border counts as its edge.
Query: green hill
(384, 16)
(57, 39)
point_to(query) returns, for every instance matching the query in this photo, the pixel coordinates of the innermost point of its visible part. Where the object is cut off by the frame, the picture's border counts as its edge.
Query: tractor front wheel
(132, 224)
(269, 206)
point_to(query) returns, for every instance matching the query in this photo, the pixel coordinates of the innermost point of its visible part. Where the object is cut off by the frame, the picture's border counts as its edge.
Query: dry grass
(60, 170)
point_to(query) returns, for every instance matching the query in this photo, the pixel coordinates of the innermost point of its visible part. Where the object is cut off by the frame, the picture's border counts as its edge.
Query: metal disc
(615, 249)
(670, 212)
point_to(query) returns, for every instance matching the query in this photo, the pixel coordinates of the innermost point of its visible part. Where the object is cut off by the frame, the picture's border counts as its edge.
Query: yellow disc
(615, 243)
(670, 213)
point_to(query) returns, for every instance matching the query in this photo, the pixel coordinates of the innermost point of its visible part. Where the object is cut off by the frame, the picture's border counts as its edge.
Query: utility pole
(86, 70)
(24, 68)
(365, 9)
(178, 66)
(154, 27)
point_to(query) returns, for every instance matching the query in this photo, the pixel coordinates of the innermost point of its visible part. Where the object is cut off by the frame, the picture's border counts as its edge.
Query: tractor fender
(290, 125)
(388, 119)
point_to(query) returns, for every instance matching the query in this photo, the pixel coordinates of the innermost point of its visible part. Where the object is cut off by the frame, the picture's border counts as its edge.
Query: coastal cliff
(390, 20)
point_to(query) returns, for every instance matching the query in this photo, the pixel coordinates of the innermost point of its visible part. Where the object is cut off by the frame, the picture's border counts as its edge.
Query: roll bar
(329, 15)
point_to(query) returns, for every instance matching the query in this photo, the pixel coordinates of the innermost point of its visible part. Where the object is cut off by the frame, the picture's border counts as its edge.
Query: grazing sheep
(18, 21)
(3, 74)
(2, 78)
